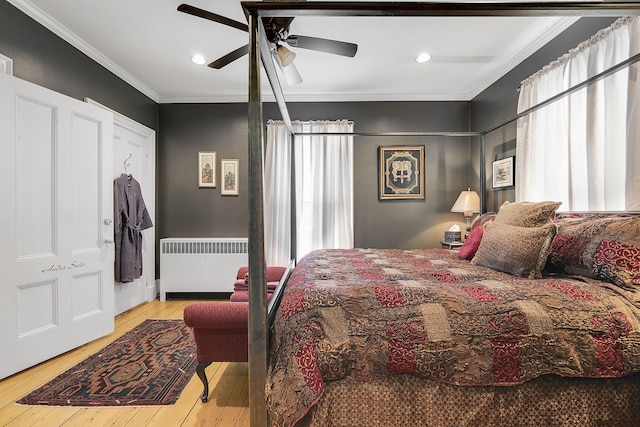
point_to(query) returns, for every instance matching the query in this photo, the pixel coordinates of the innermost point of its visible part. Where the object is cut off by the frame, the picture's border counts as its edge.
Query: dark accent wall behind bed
(189, 211)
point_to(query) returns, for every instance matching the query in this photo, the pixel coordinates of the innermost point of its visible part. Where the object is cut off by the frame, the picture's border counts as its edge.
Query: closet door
(134, 152)
(56, 260)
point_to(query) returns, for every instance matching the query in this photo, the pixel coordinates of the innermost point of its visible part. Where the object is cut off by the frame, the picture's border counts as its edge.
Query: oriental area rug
(149, 365)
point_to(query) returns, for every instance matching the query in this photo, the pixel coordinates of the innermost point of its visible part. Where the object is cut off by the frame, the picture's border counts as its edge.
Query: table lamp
(468, 202)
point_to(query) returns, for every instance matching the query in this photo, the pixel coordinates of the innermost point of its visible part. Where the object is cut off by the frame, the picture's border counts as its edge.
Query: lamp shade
(285, 55)
(468, 201)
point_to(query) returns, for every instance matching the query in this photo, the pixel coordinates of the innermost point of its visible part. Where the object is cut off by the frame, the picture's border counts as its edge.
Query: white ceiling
(148, 43)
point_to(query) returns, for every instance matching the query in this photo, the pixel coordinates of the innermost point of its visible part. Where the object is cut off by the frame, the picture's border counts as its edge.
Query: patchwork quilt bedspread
(367, 313)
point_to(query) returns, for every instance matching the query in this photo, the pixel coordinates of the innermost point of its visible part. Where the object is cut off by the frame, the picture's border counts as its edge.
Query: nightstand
(450, 245)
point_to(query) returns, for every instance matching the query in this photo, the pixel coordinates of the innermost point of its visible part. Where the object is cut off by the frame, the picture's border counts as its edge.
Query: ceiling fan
(277, 31)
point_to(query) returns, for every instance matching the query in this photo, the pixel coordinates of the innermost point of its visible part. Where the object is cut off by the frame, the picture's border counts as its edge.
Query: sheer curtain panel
(324, 188)
(277, 195)
(583, 149)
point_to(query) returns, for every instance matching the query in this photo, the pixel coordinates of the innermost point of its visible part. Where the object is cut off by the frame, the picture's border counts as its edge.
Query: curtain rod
(615, 68)
(448, 134)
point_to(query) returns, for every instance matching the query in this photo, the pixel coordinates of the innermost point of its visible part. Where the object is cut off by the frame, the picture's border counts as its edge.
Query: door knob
(108, 241)
(107, 221)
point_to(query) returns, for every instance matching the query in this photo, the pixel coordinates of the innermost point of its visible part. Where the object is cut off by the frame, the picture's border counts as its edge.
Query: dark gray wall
(187, 210)
(184, 210)
(408, 223)
(499, 103)
(41, 57)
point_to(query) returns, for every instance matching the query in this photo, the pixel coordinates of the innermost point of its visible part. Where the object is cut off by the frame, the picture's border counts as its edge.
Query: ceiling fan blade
(323, 45)
(229, 57)
(192, 10)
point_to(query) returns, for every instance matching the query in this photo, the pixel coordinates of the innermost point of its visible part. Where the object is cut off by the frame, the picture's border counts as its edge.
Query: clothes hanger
(126, 165)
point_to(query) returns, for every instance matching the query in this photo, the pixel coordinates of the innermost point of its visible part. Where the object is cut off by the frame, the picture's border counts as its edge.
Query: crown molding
(546, 37)
(61, 31)
(527, 51)
(335, 97)
(48, 22)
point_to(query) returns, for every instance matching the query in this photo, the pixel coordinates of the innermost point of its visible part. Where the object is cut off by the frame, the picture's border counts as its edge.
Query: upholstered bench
(220, 332)
(241, 285)
(220, 327)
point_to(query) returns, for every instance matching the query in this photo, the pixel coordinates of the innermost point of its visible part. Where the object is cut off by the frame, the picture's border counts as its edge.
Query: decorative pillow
(483, 219)
(521, 251)
(599, 246)
(471, 244)
(273, 273)
(526, 214)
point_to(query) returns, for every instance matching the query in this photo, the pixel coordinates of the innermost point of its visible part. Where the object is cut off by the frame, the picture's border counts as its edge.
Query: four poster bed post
(257, 327)
(258, 49)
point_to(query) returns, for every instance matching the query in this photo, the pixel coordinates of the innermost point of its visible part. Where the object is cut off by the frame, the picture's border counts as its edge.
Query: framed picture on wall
(206, 169)
(401, 172)
(229, 177)
(503, 172)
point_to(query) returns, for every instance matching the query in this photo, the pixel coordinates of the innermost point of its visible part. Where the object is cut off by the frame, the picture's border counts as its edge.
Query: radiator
(200, 264)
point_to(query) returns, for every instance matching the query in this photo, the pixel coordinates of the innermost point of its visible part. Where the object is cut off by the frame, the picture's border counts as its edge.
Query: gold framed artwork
(229, 177)
(503, 173)
(207, 168)
(401, 172)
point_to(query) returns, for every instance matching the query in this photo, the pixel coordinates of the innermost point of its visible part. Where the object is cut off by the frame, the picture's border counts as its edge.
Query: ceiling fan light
(285, 55)
(291, 75)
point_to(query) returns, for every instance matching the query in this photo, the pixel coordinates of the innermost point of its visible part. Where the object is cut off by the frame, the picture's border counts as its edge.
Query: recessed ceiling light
(423, 57)
(198, 59)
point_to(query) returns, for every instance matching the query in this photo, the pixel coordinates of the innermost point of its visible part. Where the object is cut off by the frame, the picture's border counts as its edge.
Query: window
(324, 188)
(583, 149)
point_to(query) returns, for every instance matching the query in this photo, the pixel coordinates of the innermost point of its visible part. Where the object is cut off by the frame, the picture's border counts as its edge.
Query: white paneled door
(56, 229)
(134, 148)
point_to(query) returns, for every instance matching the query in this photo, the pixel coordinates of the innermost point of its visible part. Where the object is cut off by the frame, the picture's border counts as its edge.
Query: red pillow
(482, 219)
(471, 244)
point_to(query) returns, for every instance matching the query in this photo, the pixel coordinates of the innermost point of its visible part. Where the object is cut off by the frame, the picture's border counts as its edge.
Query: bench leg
(203, 377)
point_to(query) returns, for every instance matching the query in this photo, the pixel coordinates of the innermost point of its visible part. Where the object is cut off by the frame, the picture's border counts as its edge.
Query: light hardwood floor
(228, 403)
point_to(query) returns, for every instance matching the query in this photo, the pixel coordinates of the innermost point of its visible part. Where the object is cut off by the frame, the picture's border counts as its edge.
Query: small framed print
(401, 172)
(229, 177)
(206, 169)
(503, 172)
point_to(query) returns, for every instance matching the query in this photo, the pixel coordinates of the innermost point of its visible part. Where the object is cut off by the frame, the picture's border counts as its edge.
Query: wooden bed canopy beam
(258, 49)
(333, 8)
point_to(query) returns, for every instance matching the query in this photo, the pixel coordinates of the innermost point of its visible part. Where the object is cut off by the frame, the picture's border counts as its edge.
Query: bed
(335, 401)
(535, 321)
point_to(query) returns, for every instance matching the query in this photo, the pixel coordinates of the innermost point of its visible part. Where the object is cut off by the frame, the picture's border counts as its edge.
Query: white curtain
(583, 149)
(324, 188)
(277, 195)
